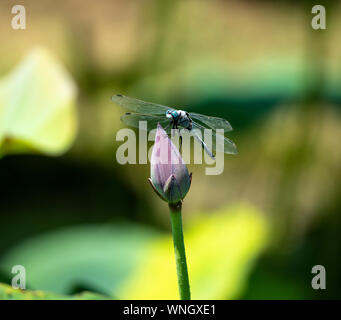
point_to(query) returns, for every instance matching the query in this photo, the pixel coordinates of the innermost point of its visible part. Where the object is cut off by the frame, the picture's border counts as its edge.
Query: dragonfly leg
(180, 146)
(168, 125)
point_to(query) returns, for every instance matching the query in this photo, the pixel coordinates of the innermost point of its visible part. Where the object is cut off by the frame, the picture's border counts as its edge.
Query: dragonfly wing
(212, 122)
(139, 106)
(223, 143)
(229, 145)
(133, 120)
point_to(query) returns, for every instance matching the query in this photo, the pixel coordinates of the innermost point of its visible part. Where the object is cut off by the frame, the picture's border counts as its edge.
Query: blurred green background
(78, 221)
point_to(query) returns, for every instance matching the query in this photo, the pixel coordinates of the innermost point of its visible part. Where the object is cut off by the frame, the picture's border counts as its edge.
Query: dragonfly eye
(175, 114)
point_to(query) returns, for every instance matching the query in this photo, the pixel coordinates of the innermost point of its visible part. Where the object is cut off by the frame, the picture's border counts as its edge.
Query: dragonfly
(171, 118)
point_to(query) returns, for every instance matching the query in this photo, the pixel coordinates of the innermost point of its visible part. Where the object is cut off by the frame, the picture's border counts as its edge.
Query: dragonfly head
(172, 114)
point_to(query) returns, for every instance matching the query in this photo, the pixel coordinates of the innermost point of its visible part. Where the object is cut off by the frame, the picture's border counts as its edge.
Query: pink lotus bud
(169, 174)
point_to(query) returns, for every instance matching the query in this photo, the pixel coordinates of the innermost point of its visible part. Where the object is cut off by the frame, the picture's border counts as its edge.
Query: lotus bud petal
(169, 174)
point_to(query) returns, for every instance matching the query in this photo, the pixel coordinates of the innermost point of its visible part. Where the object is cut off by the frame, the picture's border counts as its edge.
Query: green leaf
(98, 257)
(8, 293)
(37, 107)
(133, 262)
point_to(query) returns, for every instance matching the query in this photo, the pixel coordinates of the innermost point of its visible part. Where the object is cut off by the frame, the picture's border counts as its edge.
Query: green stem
(179, 249)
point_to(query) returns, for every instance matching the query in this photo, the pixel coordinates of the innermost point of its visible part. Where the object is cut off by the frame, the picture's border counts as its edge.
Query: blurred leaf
(220, 249)
(98, 257)
(37, 107)
(8, 293)
(129, 262)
